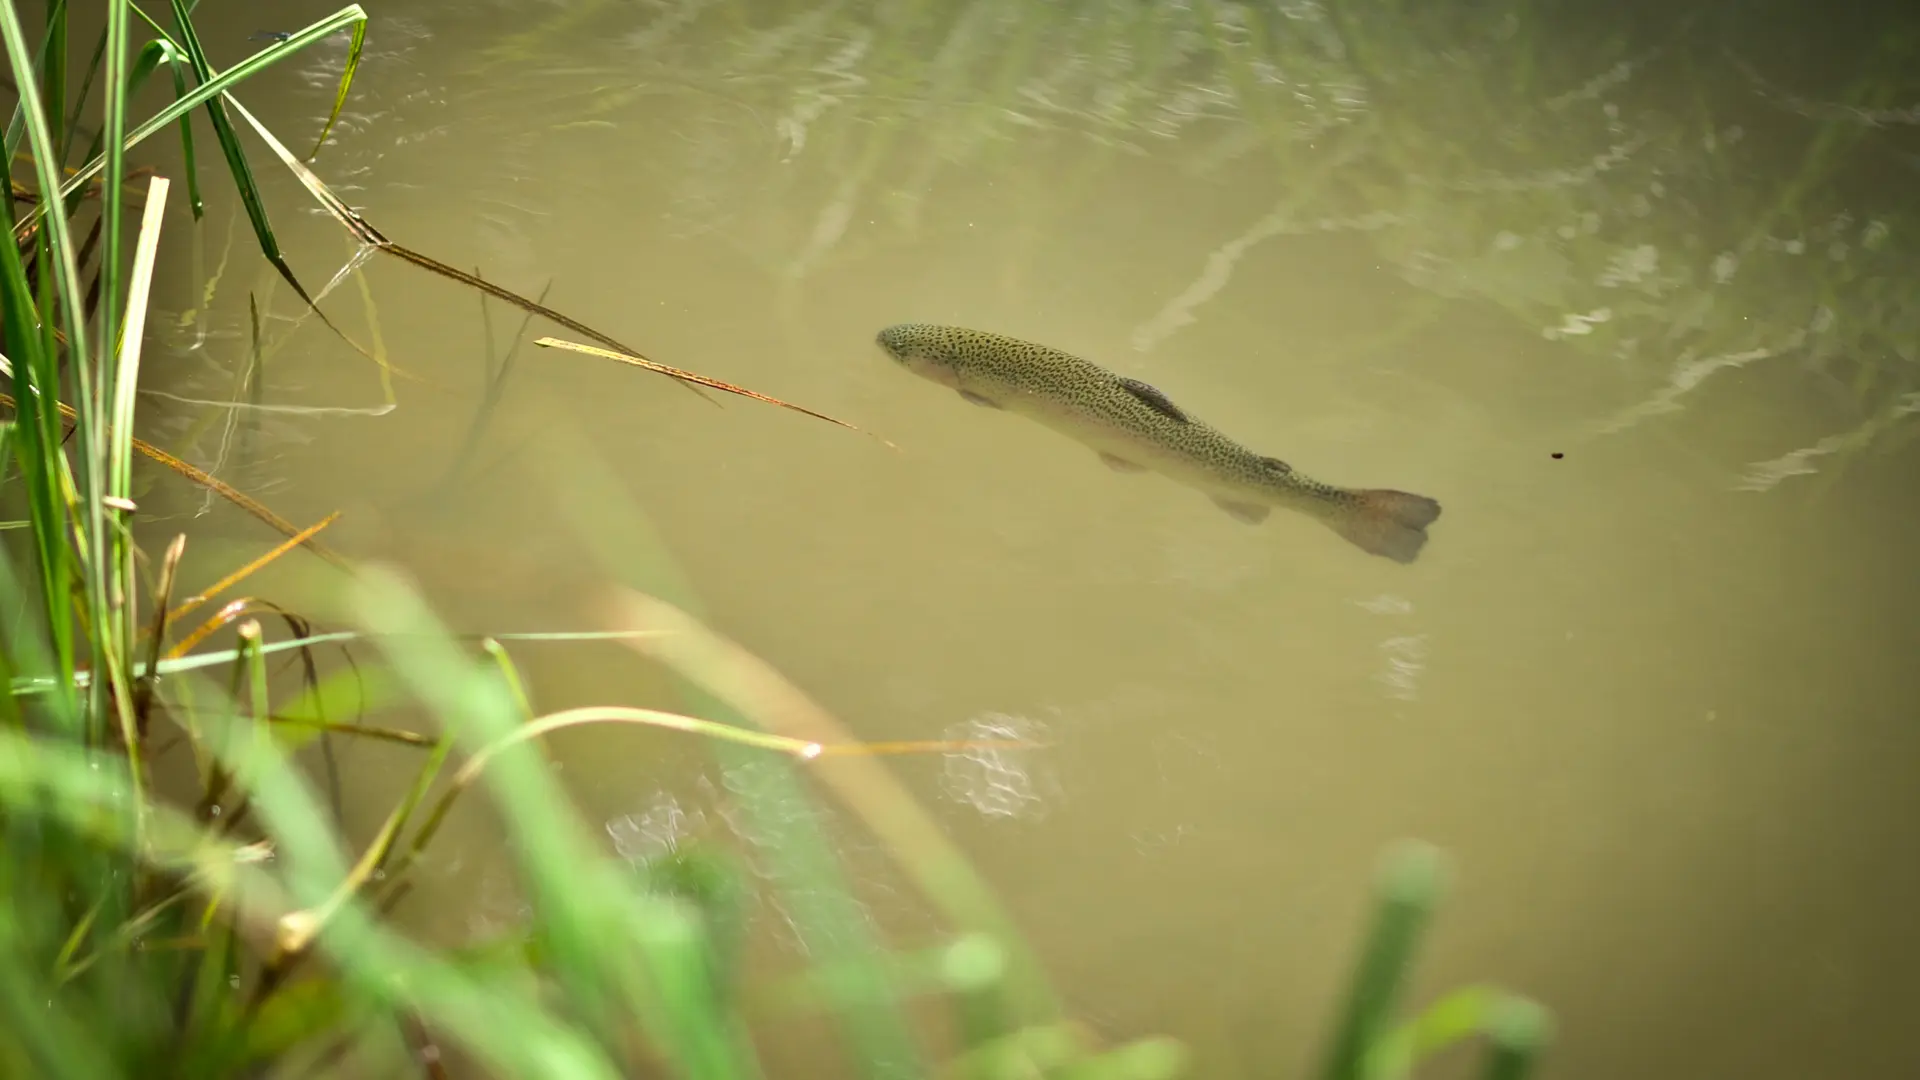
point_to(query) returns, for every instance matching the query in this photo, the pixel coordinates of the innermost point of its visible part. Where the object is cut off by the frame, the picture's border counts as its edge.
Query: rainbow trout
(1136, 428)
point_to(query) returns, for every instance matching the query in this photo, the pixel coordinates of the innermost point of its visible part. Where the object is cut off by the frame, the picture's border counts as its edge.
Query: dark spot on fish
(983, 402)
(1251, 513)
(1276, 465)
(1120, 464)
(1153, 399)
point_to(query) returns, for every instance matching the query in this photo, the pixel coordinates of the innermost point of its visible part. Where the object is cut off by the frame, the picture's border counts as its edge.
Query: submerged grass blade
(212, 483)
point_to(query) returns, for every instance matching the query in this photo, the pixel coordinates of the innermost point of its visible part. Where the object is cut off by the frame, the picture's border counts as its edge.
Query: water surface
(1628, 294)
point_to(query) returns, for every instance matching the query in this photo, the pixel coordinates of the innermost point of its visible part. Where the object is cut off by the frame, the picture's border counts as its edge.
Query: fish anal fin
(1249, 512)
(980, 399)
(1152, 398)
(1120, 464)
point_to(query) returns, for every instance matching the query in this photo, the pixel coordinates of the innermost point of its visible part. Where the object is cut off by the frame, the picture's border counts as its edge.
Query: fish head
(921, 349)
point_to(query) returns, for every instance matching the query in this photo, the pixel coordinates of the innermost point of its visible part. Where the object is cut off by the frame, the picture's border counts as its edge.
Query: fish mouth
(889, 341)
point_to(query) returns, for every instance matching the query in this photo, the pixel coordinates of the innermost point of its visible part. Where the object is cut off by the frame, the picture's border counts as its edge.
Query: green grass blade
(706, 1039)
(176, 64)
(152, 55)
(68, 296)
(579, 902)
(220, 84)
(1519, 1030)
(17, 125)
(776, 811)
(237, 163)
(118, 380)
(752, 689)
(507, 1030)
(346, 80)
(1408, 889)
(53, 75)
(80, 100)
(1455, 1018)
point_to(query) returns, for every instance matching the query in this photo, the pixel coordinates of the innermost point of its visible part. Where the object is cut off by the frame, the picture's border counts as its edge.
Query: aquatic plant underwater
(186, 900)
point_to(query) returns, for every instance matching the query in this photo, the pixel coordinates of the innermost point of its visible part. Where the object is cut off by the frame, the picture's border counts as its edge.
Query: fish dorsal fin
(1153, 399)
(1274, 464)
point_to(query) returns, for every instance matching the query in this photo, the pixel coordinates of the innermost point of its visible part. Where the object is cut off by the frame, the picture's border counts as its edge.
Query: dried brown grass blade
(157, 634)
(225, 615)
(363, 231)
(241, 574)
(643, 362)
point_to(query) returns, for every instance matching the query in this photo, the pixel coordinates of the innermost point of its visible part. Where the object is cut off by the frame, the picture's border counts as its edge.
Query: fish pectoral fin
(1251, 513)
(1152, 398)
(1120, 464)
(1274, 464)
(980, 400)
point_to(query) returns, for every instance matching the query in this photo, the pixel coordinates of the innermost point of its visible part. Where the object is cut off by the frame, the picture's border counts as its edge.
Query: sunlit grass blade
(1458, 1016)
(128, 341)
(346, 81)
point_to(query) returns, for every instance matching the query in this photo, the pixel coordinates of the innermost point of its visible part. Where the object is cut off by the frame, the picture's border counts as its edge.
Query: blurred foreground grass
(224, 926)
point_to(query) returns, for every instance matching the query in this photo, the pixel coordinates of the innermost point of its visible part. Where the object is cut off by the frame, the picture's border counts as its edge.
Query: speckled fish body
(1134, 427)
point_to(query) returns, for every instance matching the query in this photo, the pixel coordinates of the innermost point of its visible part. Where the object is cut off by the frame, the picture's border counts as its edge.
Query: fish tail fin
(1389, 523)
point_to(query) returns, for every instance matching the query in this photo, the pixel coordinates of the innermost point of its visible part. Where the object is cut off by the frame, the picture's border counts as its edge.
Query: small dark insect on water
(1134, 427)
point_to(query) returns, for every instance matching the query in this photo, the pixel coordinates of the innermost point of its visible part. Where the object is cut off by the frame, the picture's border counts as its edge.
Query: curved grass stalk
(642, 362)
(250, 568)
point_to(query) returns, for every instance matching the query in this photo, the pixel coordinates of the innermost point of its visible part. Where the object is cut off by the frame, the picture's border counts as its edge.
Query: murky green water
(1630, 295)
